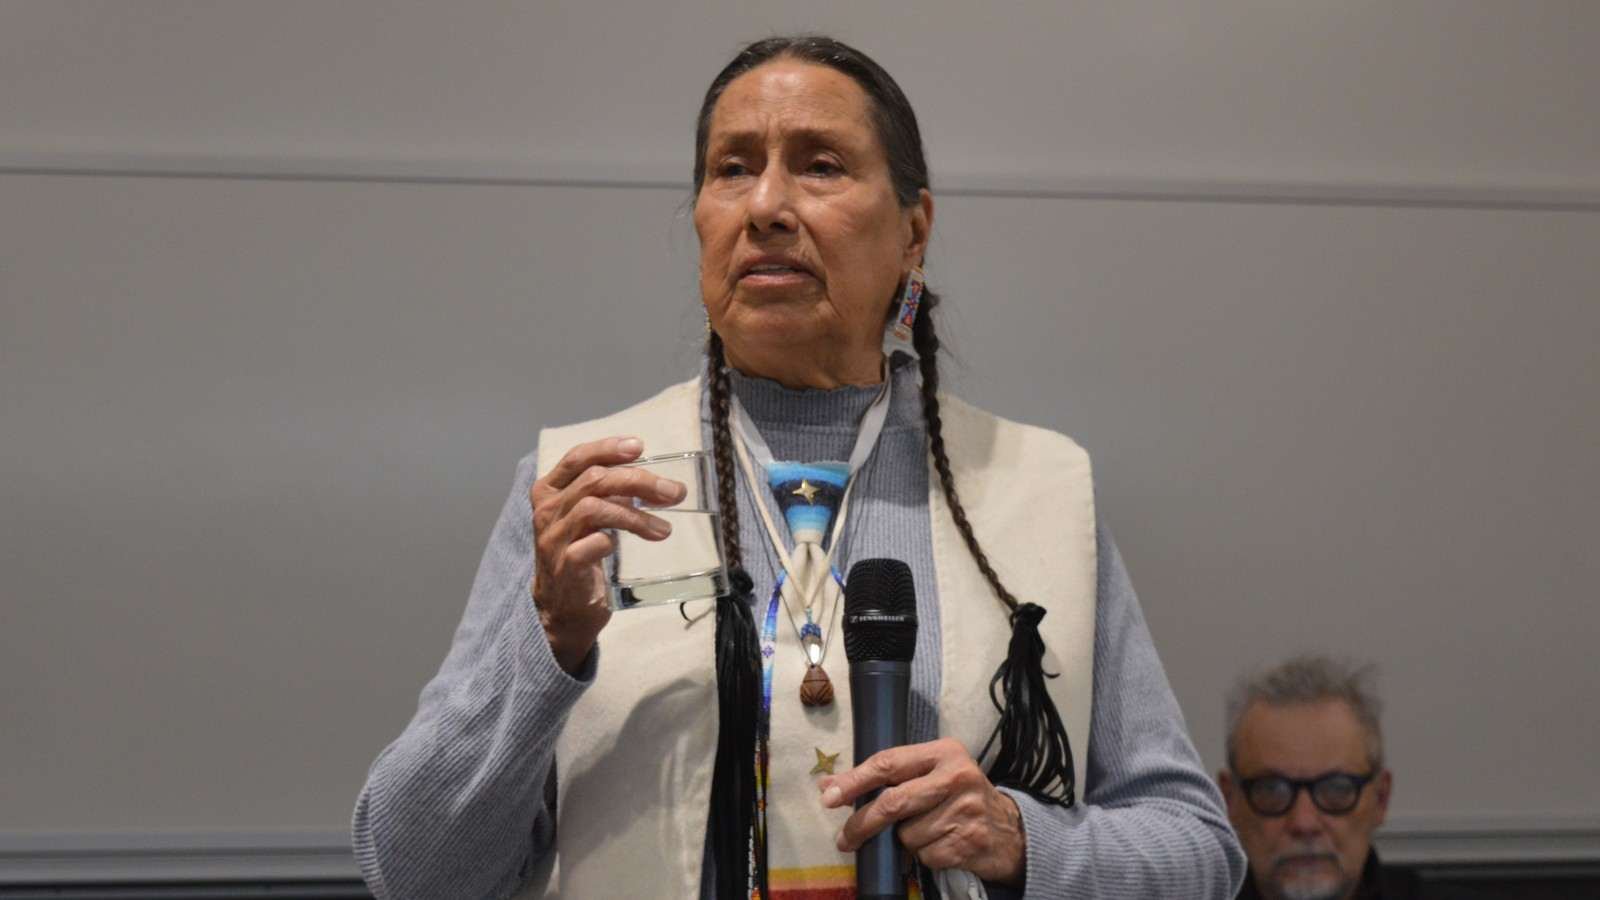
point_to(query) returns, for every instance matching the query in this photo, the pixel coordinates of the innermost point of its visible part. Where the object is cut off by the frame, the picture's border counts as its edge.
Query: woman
(660, 762)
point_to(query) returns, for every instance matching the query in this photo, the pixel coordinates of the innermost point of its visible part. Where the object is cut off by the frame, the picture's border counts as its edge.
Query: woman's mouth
(774, 275)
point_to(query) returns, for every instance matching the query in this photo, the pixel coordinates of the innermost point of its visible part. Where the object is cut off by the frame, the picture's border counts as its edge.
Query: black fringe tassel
(733, 780)
(1035, 754)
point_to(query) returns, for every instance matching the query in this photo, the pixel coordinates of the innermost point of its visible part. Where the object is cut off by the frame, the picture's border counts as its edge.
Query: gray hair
(1309, 679)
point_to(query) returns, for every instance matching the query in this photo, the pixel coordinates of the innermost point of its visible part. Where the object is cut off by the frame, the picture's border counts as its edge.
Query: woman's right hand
(573, 504)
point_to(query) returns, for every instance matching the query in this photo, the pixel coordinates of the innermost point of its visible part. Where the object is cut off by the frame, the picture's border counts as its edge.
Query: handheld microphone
(880, 635)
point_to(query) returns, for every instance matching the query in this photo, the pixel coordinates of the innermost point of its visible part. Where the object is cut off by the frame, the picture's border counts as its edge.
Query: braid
(735, 795)
(927, 344)
(721, 441)
(1031, 749)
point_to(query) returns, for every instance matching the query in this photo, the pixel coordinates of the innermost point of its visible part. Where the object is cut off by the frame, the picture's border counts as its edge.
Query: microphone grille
(880, 611)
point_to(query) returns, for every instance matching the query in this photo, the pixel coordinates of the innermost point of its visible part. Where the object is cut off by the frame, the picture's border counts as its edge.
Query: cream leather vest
(634, 762)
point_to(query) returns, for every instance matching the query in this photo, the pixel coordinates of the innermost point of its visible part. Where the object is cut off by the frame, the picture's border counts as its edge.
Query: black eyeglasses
(1335, 794)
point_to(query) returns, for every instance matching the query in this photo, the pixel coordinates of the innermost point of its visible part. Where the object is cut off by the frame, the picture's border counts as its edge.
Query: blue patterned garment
(809, 494)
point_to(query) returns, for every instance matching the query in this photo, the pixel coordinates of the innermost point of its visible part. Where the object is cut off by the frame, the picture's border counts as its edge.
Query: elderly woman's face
(803, 243)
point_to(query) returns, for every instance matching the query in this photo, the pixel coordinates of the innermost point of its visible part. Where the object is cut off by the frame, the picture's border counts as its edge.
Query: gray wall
(286, 288)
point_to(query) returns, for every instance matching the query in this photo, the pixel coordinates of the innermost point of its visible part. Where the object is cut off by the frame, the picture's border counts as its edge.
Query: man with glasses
(1305, 782)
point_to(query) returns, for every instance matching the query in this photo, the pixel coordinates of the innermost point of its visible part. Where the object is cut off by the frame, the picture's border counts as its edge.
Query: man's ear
(1225, 783)
(1385, 787)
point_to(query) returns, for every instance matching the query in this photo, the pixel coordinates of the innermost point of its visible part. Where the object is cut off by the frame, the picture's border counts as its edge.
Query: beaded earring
(897, 332)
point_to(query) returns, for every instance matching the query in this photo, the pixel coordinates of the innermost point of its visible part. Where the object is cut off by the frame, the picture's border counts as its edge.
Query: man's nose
(770, 206)
(1303, 816)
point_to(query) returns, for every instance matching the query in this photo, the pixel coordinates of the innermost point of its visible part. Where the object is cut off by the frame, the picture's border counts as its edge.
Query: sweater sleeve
(1151, 823)
(457, 805)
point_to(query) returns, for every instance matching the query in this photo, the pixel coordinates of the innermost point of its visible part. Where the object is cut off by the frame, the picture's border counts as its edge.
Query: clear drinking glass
(689, 564)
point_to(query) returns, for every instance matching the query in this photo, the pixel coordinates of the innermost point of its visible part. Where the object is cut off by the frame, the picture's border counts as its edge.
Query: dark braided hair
(927, 344)
(1033, 751)
(720, 397)
(734, 798)
(1033, 754)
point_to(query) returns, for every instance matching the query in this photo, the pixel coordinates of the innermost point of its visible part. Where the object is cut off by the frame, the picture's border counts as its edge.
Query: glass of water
(690, 563)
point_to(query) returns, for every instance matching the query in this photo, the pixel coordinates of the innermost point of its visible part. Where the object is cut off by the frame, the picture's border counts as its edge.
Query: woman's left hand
(949, 816)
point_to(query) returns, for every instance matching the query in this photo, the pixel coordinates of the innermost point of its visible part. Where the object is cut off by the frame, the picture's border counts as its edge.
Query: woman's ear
(921, 222)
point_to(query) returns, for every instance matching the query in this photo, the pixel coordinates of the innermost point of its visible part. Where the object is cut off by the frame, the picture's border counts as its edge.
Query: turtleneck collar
(771, 404)
(813, 424)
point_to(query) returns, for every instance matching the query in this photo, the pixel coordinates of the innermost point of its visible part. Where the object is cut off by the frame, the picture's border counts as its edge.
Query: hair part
(1307, 679)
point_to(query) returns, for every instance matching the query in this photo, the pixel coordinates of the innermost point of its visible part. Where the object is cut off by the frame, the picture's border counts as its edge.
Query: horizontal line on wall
(311, 854)
(1181, 189)
(176, 856)
(1460, 838)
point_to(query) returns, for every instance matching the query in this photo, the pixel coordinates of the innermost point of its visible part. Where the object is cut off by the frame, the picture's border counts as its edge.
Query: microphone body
(880, 635)
(878, 690)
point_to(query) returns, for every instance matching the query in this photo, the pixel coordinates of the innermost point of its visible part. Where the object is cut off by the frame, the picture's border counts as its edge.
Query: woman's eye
(823, 167)
(731, 169)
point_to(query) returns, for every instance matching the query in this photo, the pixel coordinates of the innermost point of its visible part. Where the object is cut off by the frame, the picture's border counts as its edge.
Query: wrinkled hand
(573, 505)
(941, 805)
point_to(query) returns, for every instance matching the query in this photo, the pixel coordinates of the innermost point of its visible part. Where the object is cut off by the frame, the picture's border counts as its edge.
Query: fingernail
(832, 796)
(669, 489)
(630, 445)
(660, 527)
(838, 840)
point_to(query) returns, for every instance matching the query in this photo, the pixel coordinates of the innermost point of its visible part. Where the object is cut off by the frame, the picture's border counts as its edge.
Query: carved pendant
(816, 689)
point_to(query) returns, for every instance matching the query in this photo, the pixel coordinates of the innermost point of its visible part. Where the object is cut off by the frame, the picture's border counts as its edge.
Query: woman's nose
(770, 207)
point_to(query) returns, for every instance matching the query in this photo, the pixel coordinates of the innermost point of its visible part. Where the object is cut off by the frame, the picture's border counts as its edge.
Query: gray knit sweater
(460, 806)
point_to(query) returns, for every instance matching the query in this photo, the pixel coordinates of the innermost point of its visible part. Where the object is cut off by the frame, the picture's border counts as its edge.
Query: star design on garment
(806, 490)
(825, 763)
